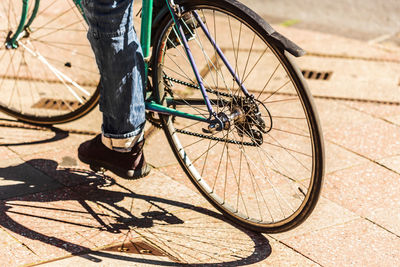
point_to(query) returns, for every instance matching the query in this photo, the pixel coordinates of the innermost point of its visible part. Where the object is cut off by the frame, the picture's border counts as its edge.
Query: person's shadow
(93, 188)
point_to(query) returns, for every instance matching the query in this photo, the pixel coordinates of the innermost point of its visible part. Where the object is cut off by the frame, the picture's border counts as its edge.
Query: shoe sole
(102, 166)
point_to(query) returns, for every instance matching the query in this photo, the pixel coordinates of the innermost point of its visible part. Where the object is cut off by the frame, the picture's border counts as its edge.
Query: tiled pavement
(53, 207)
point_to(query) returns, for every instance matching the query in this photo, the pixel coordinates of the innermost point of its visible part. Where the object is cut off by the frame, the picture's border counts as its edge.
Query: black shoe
(131, 165)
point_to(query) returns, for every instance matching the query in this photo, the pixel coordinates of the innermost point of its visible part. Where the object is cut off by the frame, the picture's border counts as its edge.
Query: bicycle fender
(287, 44)
(273, 36)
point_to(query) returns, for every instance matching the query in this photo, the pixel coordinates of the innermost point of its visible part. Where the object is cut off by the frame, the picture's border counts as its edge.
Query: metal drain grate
(56, 104)
(137, 247)
(317, 75)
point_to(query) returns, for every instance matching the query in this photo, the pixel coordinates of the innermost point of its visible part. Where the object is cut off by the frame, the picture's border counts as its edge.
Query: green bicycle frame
(145, 41)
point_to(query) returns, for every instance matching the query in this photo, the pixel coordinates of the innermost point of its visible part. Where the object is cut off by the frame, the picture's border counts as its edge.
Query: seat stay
(221, 55)
(11, 43)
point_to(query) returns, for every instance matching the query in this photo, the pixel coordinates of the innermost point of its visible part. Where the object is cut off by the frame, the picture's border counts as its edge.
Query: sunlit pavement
(55, 211)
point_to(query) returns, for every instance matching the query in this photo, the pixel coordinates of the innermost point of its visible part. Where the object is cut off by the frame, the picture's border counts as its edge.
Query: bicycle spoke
(205, 161)
(205, 55)
(291, 132)
(62, 48)
(276, 91)
(260, 166)
(8, 67)
(287, 117)
(63, 43)
(58, 30)
(266, 177)
(60, 15)
(269, 80)
(208, 60)
(52, 72)
(292, 150)
(240, 193)
(199, 141)
(252, 176)
(281, 100)
(46, 8)
(14, 13)
(255, 64)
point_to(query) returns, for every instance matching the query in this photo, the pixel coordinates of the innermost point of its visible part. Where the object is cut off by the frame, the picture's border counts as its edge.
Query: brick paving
(55, 211)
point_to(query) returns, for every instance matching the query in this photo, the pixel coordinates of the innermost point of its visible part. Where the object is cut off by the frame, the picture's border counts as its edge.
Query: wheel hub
(7, 43)
(251, 122)
(13, 44)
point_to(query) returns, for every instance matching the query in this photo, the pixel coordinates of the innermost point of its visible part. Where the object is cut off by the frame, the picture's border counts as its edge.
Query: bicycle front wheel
(265, 170)
(52, 76)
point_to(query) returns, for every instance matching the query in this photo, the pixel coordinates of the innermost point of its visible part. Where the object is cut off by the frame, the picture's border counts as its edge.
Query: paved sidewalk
(53, 207)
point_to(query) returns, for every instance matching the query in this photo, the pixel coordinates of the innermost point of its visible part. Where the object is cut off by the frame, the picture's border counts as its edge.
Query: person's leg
(121, 65)
(120, 61)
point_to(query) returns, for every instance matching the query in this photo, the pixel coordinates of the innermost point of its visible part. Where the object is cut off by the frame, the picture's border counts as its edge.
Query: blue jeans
(120, 61)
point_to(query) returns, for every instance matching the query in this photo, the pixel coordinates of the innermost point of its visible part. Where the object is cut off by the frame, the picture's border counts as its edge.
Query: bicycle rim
(264, 175)
(52, 76)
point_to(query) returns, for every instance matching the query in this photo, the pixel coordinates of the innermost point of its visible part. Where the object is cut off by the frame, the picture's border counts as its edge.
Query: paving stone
(394, 119)
(368, 190)
(57, 223)
(23, 141)
(326, 214)
(63, 165)
(358, 131)
(18, 178)
(356, 243)
(179, 220)
(14, 253)
(205, 238)
(90, 122)
(282, 255)
(374, 109)
(176, 173)
(130, 252)
(157, 150)
(353, 80)
(6, 153)
(392, 163)
(110, 259)
(331, 114)
(176, 219)
(338, 158)
(144, 202)
(311, 41)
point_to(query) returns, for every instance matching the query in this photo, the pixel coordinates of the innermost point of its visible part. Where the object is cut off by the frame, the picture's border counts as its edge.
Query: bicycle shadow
(116, 218)
(59, 134)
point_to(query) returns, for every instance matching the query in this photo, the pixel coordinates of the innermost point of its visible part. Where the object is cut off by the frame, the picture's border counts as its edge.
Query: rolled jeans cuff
(123, 145)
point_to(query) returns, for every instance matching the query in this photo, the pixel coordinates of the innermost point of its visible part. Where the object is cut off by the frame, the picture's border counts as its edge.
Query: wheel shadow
(59, 134)
(104, 200)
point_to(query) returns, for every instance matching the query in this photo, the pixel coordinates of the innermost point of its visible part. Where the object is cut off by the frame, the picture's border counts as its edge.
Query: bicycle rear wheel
(265, 170)
(52, 76)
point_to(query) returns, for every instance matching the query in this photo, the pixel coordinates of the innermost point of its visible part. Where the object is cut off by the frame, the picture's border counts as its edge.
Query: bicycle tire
(52, 76)
(198, 152)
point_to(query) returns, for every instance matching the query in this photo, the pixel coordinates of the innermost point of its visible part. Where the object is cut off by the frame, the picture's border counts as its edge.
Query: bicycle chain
(217, 138)
(158, 125)
(197, 87)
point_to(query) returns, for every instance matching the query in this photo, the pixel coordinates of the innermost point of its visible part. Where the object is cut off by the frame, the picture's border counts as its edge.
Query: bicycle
(243, 127)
